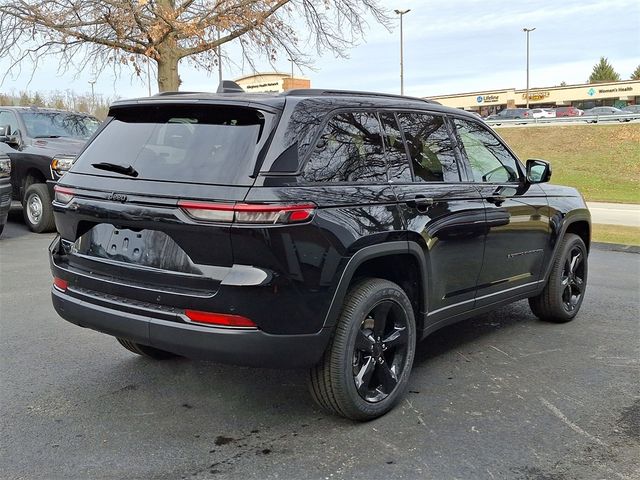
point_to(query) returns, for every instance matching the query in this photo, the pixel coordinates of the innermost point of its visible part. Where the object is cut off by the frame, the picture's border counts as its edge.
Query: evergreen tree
(636, 73)
(25, 99)
(37, 100)
(603, 72)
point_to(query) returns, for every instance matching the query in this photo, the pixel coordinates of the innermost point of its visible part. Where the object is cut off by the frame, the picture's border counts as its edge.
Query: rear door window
(349, 149)
(397, 163)
(185, 143)
(430, 147)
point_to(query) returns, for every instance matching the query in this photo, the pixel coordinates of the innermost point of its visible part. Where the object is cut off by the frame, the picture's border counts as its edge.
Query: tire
(37, 209)
(564, 292)
(145, 350)
(373, 345)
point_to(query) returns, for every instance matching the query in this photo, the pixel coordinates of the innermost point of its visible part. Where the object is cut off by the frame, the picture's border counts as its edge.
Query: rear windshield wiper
(114, 167)
(47, 136)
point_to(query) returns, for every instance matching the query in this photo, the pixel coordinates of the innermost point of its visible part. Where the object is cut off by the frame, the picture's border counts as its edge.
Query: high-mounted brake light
(266, 214)
(219, 319)
(60, 284)
(63, 194)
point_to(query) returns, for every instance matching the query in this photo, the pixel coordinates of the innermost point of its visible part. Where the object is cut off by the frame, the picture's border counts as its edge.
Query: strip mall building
(617, 94)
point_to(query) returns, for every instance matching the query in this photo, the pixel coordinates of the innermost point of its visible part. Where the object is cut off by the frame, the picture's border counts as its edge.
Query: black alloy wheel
(380, 350)
(573, 279)
(365, 369)
(562, 296)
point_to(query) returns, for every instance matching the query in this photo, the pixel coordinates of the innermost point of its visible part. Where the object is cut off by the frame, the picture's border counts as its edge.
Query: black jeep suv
(320, 229)
(41, 143)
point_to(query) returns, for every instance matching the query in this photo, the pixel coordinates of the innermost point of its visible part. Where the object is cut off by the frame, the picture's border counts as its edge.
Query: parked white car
(543, 113)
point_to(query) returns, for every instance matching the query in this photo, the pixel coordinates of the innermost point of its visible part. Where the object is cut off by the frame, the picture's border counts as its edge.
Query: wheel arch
(582, 228)
(579, 225)
(401, 262)
(31, 176)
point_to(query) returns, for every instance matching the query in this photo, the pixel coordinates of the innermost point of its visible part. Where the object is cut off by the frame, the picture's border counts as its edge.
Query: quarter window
(349, 150)
(490, 161)
(430, 147)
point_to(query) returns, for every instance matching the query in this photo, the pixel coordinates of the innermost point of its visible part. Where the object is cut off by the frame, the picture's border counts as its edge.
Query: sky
(450, 46)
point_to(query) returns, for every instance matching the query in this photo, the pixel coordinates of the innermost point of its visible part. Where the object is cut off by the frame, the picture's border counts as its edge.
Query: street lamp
(292, 64)
(93, 96)
(527, 30)
(219, 54)
(401, 13)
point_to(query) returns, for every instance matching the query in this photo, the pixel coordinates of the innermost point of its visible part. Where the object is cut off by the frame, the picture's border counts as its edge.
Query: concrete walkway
(615, 213)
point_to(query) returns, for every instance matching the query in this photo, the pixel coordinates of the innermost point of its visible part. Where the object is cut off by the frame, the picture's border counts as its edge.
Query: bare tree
(128, 33)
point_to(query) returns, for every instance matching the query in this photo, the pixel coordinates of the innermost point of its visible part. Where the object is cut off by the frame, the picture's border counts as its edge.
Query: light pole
(292, 64)
(527, 30)
(401, 13)
(93, 97)
(219, 53)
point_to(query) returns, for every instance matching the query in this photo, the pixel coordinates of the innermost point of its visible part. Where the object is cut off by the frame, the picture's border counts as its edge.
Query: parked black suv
(320, 229)
(42, 143)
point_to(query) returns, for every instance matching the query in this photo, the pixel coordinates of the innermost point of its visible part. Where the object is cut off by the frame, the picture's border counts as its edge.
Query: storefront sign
(262, 85)
(540, 95)
(615, 90)
(592, 91)
(487, 98)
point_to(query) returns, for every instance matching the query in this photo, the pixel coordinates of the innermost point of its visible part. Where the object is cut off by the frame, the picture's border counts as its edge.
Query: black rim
(380, 351)
(573, 279)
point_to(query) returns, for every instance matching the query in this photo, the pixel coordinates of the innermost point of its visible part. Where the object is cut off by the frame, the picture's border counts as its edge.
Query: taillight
(60, 284)
(63, 194)
(266, 214)
(219, 319)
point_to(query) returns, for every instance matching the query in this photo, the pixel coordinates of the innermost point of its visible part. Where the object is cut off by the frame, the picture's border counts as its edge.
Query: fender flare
(578, 216)
(368, 253)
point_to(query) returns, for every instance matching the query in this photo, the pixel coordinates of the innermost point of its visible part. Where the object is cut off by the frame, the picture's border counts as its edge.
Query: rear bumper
(225, 345)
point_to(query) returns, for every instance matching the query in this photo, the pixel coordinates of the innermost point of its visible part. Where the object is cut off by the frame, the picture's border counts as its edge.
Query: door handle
(420, 202)
(497, 200)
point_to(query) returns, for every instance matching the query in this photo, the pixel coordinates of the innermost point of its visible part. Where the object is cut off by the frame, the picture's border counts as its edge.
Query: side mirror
(538, 171)
(5, 131)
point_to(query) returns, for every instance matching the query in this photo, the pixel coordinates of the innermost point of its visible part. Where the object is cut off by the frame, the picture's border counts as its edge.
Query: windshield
(59, 124)
(181, 143)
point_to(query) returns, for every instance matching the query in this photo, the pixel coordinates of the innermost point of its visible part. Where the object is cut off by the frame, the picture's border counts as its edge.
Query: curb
(616, 247)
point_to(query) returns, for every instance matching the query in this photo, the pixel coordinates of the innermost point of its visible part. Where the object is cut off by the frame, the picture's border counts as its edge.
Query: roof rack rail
(302, 92)
(162, 94)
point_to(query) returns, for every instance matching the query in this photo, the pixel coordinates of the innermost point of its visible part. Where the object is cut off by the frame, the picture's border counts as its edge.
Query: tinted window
(8, 118)
(59, 124)
(191, 143)
(490, 161)
(397, 163)
(430, 147)
(349, 150)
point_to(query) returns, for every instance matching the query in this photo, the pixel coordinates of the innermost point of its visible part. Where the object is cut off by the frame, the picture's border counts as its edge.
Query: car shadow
(208, 386)
(15, 227)
(455, 336)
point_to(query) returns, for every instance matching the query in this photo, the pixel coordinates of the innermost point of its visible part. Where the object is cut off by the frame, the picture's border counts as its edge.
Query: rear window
(184, 143)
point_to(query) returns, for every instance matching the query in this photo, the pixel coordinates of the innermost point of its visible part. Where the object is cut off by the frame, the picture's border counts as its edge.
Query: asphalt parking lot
(500, 396)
